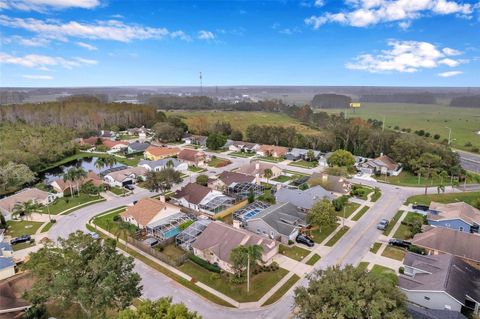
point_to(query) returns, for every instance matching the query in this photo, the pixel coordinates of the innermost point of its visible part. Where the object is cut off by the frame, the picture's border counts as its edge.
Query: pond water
(87, 163)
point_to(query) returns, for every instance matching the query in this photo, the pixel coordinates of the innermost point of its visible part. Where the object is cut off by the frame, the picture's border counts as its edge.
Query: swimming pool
(248, 215)
(172, 232)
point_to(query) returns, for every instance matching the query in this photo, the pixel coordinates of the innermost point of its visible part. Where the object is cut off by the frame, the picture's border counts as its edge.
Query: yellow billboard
(355, 105)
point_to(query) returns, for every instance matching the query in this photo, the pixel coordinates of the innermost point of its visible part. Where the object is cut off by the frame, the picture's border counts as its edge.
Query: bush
(117, 218)
(53, 221)
(205, 264)
(340, 202)
(290, 242)
(237, 280)
(401, 270)
(468, 144)
(416, 250)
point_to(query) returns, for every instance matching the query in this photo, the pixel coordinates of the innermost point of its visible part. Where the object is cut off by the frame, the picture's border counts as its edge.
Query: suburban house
(123, 175)
(417, 312)
(280, 222)
(201, 198)
(272, 150)
(163, 163)
(239, 146)
(438, 240)
(304, 199)
(115, 146)
(35, 195)
(7, 265)
(296, 154)
(108, 135)
(227, 179)
(441, 282)
(92, 141)
(140, 132)
(192, 157)
(66, 187)
(137, 147)
(218, 240)
(335, 184)
(196, 140)
(257, 169)
(155, 153)
(381, 165)
(458, 216)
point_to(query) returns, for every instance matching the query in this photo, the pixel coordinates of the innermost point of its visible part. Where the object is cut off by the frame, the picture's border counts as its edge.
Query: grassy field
(241, 120)
(464, 122)
(468, 197)
(294, 252)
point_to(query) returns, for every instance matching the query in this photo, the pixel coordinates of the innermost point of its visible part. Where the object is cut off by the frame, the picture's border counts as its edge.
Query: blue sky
(306, 42)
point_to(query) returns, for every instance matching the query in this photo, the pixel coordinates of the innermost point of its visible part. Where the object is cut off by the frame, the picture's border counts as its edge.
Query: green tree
(251, 196)
(341, 158)
(202, 179)
(236, 135)
(84, 271)
(25, 209)
(310, 156)
(428, 166)
(162, 308)
(245, 258)
(107, 161)
(74, 175)
(349, 293)
(268, 174)
(162, 180)
(14, 176)
(167, 132)
(322, 214)
(216, 141)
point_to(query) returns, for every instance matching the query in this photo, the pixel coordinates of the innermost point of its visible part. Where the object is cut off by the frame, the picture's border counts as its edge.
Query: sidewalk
(375, 259)
(392, 233)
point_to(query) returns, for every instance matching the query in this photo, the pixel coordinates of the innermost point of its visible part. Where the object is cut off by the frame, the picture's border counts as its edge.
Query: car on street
(382, 225)
(21, 239)
(302, 239)
(130, 187)
(399, 243)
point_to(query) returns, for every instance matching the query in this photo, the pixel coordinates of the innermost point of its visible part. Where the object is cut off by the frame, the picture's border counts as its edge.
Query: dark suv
(20, 239)
(302, 239)
(399, 243)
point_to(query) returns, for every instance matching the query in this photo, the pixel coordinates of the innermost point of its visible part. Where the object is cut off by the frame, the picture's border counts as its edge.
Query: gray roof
(424, 313)
(5, 246)
(301, 151)
(139, 147)
(6, 262)
(442, 273)
(283, 217)
(160, 163)
(304, 199)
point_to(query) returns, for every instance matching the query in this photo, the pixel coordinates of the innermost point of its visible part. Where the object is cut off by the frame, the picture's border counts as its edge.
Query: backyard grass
(304, 164)
(64, 203)
(337, 236)
(375, 247)
(259, 284)
(23, 227)
(295, 252)
(363, 265)
(360, 213)
(173, 251)
(394, 253)
(349, 209)
(392, 222)
(282, 290)
(467, 197)
(319, 235)
(196, 169)
(313, 260)
(282, 178)
(218, 162)
(241, 154)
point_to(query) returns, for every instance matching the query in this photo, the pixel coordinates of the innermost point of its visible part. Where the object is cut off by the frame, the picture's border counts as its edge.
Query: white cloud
(44, 62)
(363, 13)
(403, 56)
(319, 3)
(451, 52)
(103, 30)
(289, 31)
(27, 42)
(87, 46)
(37, 77)
(206, 35)
(449, 74)
(43, 5)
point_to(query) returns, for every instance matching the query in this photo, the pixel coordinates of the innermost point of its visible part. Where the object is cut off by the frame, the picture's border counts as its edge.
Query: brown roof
(389, 163)
(460, 210)
(145, 210)
(255, 167)
(280, 150)
(91, 140)
(109, 143)
(232, 177)
(162, 151)
(120, 175)
(190, 155)
(337, 184)
(450, 241)
(33, 194)
(192, 193)
(91, 177)
(221, 238)
(9, 298)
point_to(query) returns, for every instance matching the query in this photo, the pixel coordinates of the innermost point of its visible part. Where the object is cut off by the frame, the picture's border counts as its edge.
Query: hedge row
(205, 264)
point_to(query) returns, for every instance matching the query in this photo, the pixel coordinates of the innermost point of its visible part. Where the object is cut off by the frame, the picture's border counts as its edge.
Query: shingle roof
(146, 209)
(192, 193)
(110, 143)
(160, 163)
(251, 168)
(283, 217)
(162, 151)
(332, 183)
(190, 155)
(301, 151)
(34, 194)
(423, 313)
(138, 146)
(383, 161)
(460, 210)
(232, 177)
(120, 175)
(304, 199)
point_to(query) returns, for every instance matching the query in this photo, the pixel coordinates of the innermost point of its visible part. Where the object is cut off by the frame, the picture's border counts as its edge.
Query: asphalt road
(469, 161)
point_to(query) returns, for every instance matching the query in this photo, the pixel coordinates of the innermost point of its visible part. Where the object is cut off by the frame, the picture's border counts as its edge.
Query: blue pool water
(172, 232)
(251, 214)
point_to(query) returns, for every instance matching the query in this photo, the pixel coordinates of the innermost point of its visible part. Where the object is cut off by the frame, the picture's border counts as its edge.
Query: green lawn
(365, 190)
(106, 222)
(21, 246)
(196, 169)
(468, 197)
(392, 222)
(173, 251)
(304, 164)
(319, 235)
(337, 236)
(118, 190)
(394, 253)
(295, 173)
(282, 178)
(360, 213)
(382, 271)
(295, 252)
(218, 162)
(375, 247)
(241, 154)
(406, 178)
(47, 227)
(376, 196)
(282, 290)
(405, 231)
(313, 260)
(271, 159)
(363, 265)
(259, 285)
(64, 203)
(349, 209)
(23, 227)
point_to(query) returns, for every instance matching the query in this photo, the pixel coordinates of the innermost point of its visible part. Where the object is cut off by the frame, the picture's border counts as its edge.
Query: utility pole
(449, 134)
(248, 273)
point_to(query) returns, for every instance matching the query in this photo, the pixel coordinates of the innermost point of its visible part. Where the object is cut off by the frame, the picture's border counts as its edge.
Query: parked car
(94, 235)
(302, 239)
(130, 187)
(382, 225)
(21, 239)
(399, 243)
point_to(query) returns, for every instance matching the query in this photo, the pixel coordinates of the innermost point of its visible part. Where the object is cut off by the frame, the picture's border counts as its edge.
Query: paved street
(469, 161)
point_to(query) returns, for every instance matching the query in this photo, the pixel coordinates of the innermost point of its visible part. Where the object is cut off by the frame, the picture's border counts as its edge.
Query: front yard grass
(24, 245)
(64, 203)
(319, 235)
(360, 213)
(120, 191)
(406, 230)
(394, 253)
(107, 222)
(392, 223)
(375, 247)
(304, 164)
(467, 197)
(282, 290)
(363, 191)
(337, 236)
(363, 265)
(271, 159)
(350, 207)
(376, 195)
(241, 154)
(47, 227)
(390, 274)
(295, 252)
(313, 260)
(23, 227)
(196, 169)
(218, 162)
(282, 178)
(406, 178)
(260, 284)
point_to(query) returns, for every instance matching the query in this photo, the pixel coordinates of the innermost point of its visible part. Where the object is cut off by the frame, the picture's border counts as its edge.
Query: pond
(87, 163)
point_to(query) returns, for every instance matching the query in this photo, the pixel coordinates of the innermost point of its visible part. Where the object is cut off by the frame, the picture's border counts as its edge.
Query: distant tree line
(466, 101)
(12, 97)
(331, 101)
(414, 98)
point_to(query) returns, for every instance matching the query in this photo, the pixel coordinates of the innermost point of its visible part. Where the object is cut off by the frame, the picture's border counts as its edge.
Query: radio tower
(201, 84)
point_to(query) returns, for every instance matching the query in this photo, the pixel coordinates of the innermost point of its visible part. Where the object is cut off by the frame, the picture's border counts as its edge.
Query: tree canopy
(216, 141)
(322, 214)
(341, 158)
(162, 180)
(162, 308)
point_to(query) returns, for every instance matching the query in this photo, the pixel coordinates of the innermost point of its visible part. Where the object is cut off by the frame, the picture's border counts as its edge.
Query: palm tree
(122, 231)
(169, 164)
(74, 175)
(254, 255)
(268, 174)
(25, 209)
(107, 161)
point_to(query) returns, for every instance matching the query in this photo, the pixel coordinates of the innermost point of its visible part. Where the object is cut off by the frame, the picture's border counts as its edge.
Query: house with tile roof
(381, 165)
(441, 282)
(219, 239)
(66, 188)
(272, 150)
(155, 153)
(35, 195)
(458, 216)
(192, 157)
(115, 146)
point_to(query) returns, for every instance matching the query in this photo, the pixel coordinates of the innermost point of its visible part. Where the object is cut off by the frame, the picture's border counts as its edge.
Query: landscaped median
(337, 236)
(359, 214)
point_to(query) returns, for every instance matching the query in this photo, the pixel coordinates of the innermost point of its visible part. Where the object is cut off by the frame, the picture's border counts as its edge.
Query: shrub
(468, 144)
(205, 264)
(401, 270)
(290, 242)
(53, 221)
(416, 250)
(117, 218)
